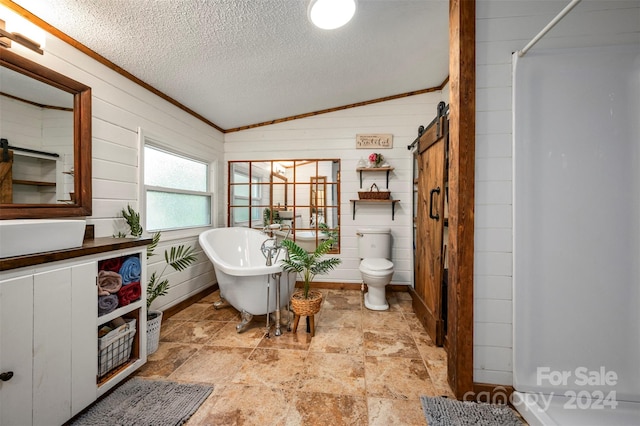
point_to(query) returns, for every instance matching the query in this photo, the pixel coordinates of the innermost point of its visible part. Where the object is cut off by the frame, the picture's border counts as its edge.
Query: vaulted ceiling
(242, 62)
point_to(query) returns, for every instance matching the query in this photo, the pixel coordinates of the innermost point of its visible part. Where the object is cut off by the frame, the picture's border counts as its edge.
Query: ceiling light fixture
(6, 38)
(331, 14)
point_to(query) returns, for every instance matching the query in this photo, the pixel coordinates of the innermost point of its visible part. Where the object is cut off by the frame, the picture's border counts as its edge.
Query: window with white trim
(177, 190)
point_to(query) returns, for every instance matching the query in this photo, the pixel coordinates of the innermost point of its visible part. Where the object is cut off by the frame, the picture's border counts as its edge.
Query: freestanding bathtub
(242, 272)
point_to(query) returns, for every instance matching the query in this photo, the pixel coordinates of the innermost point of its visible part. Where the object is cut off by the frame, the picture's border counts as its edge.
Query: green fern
(178, 257)
(308, 265)
(133, 220)
(156, 289)
(155, 239)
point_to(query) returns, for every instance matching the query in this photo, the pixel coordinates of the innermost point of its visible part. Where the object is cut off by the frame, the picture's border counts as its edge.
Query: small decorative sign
(369, 141)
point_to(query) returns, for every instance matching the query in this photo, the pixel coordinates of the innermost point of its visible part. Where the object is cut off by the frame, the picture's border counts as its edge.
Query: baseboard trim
(350, 286)
(169, 312)
(490, 393)
(331, 285)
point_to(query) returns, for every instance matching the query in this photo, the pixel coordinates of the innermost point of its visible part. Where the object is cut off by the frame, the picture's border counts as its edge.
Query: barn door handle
(431, 215)
(6, 376)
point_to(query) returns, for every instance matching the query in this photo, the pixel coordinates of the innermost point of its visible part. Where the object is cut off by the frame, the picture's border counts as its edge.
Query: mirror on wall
(302, 195)
(45, 152)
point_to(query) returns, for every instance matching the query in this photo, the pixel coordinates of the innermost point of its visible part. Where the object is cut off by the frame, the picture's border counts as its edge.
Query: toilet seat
(376, 266)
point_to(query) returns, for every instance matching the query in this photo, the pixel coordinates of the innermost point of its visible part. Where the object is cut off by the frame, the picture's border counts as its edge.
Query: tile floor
(361, 368)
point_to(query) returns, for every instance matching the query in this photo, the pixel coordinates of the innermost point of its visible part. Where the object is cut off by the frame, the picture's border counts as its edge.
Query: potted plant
(178, 257)
(307, 264)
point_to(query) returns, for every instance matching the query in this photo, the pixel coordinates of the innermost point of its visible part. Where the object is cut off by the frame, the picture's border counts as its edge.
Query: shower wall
(577, 221)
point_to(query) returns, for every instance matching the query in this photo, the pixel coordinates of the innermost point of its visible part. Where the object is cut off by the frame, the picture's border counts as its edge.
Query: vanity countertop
(89, 246)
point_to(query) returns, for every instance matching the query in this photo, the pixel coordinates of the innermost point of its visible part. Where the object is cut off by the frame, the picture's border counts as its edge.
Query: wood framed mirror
(68, 158)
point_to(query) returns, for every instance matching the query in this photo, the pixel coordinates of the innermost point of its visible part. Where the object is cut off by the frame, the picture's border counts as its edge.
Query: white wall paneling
(333, 135)
(119, 108)
(503, 27)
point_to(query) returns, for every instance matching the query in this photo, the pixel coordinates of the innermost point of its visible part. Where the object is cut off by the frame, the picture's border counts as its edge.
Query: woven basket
(374, 195)
(306, 307)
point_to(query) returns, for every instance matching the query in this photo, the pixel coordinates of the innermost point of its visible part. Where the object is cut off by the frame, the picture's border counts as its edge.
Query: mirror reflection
(301, 195)
(36, 122)
(45, 133)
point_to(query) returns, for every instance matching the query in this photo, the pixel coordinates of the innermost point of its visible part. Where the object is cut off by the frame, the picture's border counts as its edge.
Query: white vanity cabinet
(49, 339)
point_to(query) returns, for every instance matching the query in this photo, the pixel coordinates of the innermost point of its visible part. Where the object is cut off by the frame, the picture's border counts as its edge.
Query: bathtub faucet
(268, 247)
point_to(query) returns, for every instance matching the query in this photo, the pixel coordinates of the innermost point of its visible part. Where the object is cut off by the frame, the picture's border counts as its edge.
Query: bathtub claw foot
(222, 303)
(246, 319)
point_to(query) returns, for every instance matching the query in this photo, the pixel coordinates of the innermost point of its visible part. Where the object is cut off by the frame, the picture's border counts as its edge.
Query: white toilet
(374, 249)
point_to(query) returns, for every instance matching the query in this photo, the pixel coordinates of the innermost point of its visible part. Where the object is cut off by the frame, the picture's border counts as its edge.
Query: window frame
(245, 167)
(186, 231)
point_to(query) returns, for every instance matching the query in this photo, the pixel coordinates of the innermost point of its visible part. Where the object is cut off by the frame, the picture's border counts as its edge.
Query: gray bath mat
(140, 402)
(441, 411)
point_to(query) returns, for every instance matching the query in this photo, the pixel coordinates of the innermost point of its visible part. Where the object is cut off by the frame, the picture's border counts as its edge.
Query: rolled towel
(112, 264)
(108, 282)
(130, 270)
(129, 293)
(107, 304)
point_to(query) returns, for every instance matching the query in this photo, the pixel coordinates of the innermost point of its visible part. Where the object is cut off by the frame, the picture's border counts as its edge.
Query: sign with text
(369, 141)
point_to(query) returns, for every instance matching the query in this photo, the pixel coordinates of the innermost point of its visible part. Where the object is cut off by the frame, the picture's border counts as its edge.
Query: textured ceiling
(241, 62)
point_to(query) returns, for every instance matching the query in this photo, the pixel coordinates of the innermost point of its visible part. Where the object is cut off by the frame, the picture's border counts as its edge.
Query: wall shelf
(374, 169)
(392, 202)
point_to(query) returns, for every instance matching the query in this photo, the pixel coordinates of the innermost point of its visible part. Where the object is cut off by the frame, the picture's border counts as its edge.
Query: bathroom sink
(285, 214)
(26, 236)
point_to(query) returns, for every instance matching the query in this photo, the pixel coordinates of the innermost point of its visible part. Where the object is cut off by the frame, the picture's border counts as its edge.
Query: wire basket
(114, 348)
(374, 195)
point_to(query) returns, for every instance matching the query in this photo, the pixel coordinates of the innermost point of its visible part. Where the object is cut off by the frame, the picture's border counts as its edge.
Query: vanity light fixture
(331, 14)
(6, 38)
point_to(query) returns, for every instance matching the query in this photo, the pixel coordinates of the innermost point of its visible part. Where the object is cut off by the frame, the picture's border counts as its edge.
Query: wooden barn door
(430, 212)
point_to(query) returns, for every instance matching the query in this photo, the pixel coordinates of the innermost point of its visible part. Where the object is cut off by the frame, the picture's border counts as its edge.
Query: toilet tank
(374, 242)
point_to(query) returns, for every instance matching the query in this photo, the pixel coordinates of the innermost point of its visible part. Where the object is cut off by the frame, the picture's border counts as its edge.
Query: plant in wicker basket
(307, 266)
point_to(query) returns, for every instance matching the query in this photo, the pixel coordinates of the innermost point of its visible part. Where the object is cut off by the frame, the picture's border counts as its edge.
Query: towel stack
(118, 283)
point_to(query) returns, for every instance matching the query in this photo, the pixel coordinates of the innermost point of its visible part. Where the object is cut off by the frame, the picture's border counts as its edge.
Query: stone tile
(393, 306)
(227, 313)
(243, 405)
(384, 412)
(334, 373)
(339, 318)
(438, 373)
(211, 298)
(405, 306)
(169, 326)
(294, 379)
(192, 312)
(428, 349)
(343, 299)
(397, 378)
(277, 368)
(216, 365)
(390, 343)
(299, 340)
(338, 340)
(402, 295)
(167, 359)
(190, 331)
(228, 336)
(413, 322)
(327, 409)
(384, 320)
